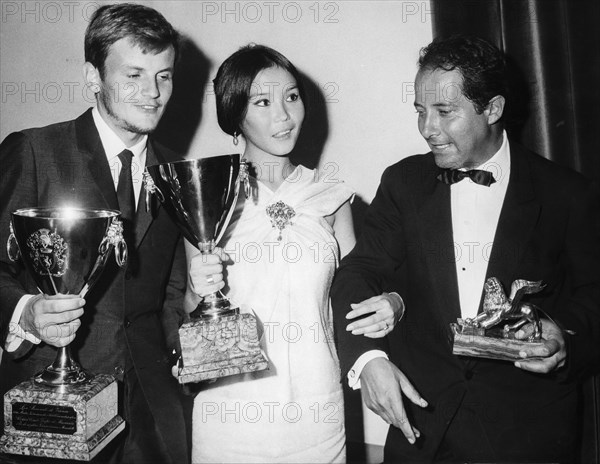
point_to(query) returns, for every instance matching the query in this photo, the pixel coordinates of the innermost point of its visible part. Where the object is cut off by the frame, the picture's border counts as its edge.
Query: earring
(235, 138)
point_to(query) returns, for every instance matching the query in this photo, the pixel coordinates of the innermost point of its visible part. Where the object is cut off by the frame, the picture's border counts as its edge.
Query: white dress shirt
(475, 212)
(112, 145)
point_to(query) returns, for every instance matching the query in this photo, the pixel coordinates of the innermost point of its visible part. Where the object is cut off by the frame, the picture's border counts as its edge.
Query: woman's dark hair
(146, 27)
(233, 83)
(481, 64)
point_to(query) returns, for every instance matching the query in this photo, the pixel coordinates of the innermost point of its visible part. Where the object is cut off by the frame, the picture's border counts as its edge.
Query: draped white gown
(294, 412)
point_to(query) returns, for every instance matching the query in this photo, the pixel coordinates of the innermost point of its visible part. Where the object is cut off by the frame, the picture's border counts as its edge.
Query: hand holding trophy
(200, 196)
(63, 412)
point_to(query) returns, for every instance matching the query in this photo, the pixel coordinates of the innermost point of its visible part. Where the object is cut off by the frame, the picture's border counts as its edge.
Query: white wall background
(361, 54)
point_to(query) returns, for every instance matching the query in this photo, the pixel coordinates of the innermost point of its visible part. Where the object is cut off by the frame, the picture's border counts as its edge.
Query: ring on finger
(209, 279)
(387, 326)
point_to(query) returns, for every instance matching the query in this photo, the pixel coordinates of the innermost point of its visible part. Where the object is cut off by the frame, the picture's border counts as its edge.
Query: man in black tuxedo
(431, 237)
(127, 326)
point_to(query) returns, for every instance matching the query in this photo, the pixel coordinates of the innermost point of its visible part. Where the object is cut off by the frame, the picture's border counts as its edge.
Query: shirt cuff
(16, 334)
(361, 362)
(401, 305)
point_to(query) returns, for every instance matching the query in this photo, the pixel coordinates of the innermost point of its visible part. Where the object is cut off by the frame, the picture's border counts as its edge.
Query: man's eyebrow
(131, 67)
(436, 105)
(444, 105)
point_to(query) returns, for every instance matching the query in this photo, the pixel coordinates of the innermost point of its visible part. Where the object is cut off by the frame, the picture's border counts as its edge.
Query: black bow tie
(451, 176)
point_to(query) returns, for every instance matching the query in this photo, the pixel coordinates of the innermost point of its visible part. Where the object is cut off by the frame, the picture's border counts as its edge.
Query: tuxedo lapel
(519, 214)
(92, 152)
(94, 157)
(434, 211)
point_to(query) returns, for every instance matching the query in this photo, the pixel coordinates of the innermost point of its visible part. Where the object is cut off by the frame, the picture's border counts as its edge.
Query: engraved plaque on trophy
(64, 411)
(491, 334)
(200, 195)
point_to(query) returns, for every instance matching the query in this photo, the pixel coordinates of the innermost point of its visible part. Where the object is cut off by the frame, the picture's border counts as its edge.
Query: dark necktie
(125, 193)
(451, 176)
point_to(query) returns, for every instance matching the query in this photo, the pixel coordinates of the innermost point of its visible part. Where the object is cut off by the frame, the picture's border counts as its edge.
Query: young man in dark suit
(127, 326)
(477, 206)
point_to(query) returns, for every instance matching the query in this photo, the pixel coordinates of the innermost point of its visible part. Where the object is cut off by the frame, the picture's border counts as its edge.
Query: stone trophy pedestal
(76, 423)
(492, 333)
(220, 347)
(479, 344)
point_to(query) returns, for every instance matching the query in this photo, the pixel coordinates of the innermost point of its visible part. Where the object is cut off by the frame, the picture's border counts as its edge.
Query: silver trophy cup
(64, 250)
(200, 195)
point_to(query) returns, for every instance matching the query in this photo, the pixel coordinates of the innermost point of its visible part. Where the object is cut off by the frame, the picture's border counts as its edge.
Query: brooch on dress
(280, 215)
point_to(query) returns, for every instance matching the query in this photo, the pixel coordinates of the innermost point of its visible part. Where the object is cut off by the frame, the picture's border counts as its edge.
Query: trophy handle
(12, 246)
(114, 238)
(232, 196)
(244, 177)
(121, 253)
(151, 188)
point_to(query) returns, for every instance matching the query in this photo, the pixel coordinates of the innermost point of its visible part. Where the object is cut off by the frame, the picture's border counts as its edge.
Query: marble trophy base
(221, 347)
(479, 343)
(75, 423)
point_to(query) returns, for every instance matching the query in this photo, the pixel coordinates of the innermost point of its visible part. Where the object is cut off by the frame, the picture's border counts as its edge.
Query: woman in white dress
(279, 252)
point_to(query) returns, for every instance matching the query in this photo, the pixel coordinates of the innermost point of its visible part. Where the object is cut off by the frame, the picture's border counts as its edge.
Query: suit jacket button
(127, 275)
(468, 375)
(126, 323)
(119, 370)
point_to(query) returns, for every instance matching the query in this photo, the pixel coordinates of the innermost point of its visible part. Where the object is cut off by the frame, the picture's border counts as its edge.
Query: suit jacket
(547, 230)
(126, 310)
